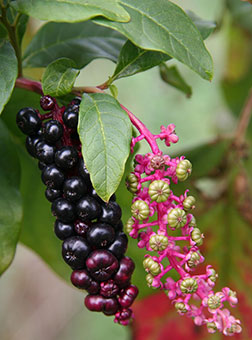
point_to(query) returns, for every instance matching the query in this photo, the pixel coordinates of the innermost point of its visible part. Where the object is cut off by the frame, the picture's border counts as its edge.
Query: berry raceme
(155, 205)
(94, 244)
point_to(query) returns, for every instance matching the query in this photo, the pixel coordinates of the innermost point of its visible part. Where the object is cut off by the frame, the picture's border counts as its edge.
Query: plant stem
(243, 123)
(13, 38)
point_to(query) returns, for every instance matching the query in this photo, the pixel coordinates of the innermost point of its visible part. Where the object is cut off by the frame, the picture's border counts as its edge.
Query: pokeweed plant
(83, 141)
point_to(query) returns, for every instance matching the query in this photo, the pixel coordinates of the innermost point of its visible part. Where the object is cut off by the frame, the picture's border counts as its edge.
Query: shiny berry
(93, 288)
(101, 264)
(126, 268)
(88, 208)
(94, 303)
(83, 171)
(63, 230)
(76, 101)
(81, 228)
(119, 226)
(110, 306)
(47, 103)
(28, 121)
(30, 144)
(52, 194)
(109, 289)
(42, 165)
(66, 157)
(52, 177)
(127, 296)
(81, 279)
(74, 188)
(45, 152)
(52, 131)
(74, 251)
(100, 235)
(123, 316)
(95, 195)
(111, 213)
(63, 210)
(70, 116)
(119, 246)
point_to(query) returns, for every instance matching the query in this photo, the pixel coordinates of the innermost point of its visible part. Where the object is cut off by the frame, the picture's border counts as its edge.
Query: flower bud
(129, 224)
(159, 191)
(214, 301)
(188, 203)
(132, 183)
(158, 242)
(197, 236)
(181, 307)
(140, 210)
(194, 259)
(177, 218)
(157, 162)
(183, 170)
(211, 327)
(188, 286)
(151, 266)
(213, 276)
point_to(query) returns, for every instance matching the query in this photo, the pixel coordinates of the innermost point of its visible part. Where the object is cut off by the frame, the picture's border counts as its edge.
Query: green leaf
(205, 27)
(21, 27)
(242, 13)
(59, 77)
(81, 42)
(8, 72)
(71, 10)
(171, 76)
(163, 26)
(105, 133)
(10, 199)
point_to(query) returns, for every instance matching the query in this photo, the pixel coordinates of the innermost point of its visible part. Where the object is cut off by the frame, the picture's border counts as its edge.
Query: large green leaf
(105, 133)
(10, 199)
(163, 26)
(81, 42)
(8, 72)
(205, 27)
(71, 10)
(59, 77)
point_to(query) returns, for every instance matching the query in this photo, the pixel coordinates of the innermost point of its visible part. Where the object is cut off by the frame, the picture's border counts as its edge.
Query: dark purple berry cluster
(94, 243)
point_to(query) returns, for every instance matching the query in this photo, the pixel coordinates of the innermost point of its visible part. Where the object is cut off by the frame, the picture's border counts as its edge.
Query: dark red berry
(87, 208)
(126, 268)
(101, 264)
(52, 177)
(93, 288)
(127, 296)
(74, 251)
(45, 152)
(74, 188)
(111, 213)
(94, 303)
(70, 116)
(63, 230)
(47, 103)
(123, 316)
(66, 157)
(63, 210)
(81, 228)
(52, 194)
(109, 289)
(28, 121)
(81, 279)
(110, 306)
(100, 235)
(119, 246)
(52, 131)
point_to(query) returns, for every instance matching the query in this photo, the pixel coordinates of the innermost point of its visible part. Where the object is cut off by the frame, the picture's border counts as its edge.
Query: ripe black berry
(41, 165)
(63, 210)
(126, 268)
(110, 306)
(28, 121)
(52, 131)
(30, 144)
(52, 177)
(101, 264)
(83, 171)
(63, 230)
(81, 228)
(93, 288)
(70, 116)
(119, 226)
(119, 246)
(94, 302)
(81, 279)
(51, 194)
(74, 251)
(87, 208)
(74, 188)
(47, 103)
(100, 235)
(111, 213)
(45, 152)
(66, 157)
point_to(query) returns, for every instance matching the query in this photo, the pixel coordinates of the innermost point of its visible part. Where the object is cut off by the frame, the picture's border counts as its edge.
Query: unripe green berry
(129, 224)
(214, 302)
(213, 276)
(212, 327)
(158, 242)
(151, 266)
(177, 218)
(188, 203)
(183, 170)
(159, 191)
(193, 222)
(188, 286)
(132, 183)
(194, 260)
(180, 307)
(196, 236)
(149, 279)
(140, 210)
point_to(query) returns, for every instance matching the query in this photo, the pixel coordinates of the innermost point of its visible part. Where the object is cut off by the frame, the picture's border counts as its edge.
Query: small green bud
(183, 170)
(193, 222)
(159, 191)
(151, 266)
(213, 276)
(180, 307)
(214, 302)
(158, 242)
(129, 224)
(140, 210)
(188, 203)
(149, 279)
(188, 286)
(132, 183)
(212, 327)
(197, 237)
(177, 218)
(194, 260)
